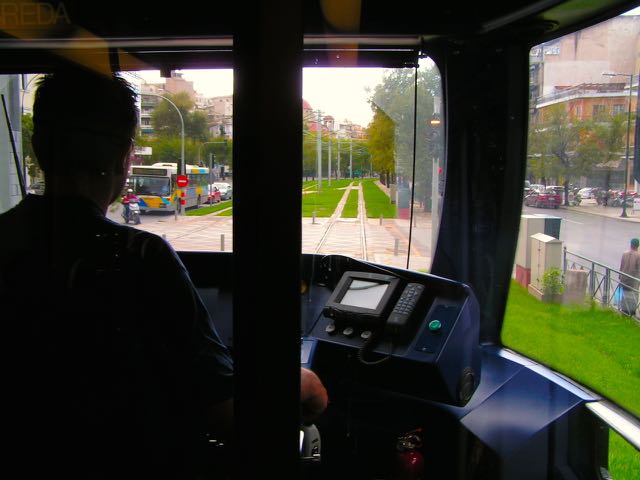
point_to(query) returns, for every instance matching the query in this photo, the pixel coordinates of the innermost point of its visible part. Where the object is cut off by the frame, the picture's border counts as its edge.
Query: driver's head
(83, 121)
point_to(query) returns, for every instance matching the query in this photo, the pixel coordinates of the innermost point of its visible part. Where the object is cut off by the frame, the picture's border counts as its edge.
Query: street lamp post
(181, 167)
(626, 158)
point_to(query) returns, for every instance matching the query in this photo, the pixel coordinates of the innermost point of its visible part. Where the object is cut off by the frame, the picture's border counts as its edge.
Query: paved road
(595, 232)
(592, 231)
(113, 213)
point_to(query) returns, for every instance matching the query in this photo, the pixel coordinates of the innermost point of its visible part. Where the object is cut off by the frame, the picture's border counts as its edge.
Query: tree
(395, 98)
(309, 159)
(196, 126)
(166, 121)
(602, 144)
(27, 149)
(381, 134)
(555, 145)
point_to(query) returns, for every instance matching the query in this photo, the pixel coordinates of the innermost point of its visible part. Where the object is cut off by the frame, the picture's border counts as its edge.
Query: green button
(435, 325)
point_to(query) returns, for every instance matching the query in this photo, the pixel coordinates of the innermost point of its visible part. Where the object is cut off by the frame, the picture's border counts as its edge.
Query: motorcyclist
(129, 198)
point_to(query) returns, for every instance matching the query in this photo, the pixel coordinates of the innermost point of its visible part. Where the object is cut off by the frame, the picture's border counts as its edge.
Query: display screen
(364, 294)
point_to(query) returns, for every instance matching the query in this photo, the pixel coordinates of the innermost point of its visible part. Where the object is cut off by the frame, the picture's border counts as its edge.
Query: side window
(574, 297)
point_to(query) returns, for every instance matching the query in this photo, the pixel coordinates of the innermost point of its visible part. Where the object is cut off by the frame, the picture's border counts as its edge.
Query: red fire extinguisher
(409, 459)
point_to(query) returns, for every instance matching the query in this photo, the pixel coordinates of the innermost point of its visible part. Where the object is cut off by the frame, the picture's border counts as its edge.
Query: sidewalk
(611, 212)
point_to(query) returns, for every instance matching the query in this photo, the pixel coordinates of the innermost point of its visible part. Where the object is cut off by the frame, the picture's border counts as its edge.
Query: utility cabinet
(546, 253)
(531, 225)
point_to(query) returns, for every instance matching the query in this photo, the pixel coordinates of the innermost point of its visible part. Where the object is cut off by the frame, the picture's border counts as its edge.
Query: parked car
(588, 192)
(214, 195)
(559, 189)
(545, 198)
(226, 190)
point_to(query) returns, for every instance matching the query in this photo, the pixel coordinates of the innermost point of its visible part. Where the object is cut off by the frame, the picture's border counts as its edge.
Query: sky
(339, 92)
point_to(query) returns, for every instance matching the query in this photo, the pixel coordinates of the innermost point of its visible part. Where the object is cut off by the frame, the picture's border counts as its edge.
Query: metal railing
(606, 285)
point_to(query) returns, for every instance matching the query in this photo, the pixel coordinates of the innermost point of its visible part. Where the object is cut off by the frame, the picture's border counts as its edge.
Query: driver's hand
(313, 395)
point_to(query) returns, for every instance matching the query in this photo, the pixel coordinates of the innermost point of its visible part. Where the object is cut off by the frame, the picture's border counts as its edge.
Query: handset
(401, 313)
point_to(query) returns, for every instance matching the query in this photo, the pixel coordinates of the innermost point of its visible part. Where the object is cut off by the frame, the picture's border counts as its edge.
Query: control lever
(310, 445)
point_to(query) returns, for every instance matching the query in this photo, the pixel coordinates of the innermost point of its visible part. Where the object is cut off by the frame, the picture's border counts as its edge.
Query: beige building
(219, 112)
(582, 57)
(569, 71)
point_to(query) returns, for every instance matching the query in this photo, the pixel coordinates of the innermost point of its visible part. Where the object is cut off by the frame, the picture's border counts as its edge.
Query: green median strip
(208, 210)
(323, 203)
(351, 207)
(377, 202)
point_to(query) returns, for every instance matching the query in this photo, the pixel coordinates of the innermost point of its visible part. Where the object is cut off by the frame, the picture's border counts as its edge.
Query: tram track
(355, 229)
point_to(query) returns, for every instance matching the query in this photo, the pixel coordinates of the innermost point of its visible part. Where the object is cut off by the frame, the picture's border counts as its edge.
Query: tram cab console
(393, 330)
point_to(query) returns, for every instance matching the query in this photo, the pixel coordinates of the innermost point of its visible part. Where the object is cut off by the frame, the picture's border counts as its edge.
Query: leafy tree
(27, 150)
(196, 126)
(602, 143)
(554, 144)
(381, 133)
(222, 149)
(309, 155)
(395, 98)
(166, 121)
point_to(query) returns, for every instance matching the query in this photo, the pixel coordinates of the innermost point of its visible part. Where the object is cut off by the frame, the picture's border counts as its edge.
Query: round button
(348, 331)
(435, 325)
(365, 335)
(331, 328)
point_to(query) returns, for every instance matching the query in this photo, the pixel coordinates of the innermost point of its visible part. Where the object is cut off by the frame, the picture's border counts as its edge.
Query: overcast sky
(339, 92)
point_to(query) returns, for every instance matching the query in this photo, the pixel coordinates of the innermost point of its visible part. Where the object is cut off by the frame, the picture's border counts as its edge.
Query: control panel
(409, 333)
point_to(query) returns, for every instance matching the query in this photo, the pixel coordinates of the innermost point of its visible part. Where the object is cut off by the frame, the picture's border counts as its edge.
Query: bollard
(380, 219)
(313, 218)
(415, 221)
(222, 242)
(396, 247)
(164, 237)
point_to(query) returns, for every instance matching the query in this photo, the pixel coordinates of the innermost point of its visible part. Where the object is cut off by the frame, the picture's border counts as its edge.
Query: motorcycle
(133, 215)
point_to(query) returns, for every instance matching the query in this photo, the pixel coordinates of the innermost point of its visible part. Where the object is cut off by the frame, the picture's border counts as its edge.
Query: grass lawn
(377, 202)
(207, 210)
(595, 346)
(351, 207)
(325, 202)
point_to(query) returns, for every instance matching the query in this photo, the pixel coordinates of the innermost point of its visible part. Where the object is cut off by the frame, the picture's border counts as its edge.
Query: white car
(587, 192)
(226, 190)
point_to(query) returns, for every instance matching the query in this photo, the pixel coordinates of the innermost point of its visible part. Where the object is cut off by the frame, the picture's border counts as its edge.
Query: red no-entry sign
(182, 181)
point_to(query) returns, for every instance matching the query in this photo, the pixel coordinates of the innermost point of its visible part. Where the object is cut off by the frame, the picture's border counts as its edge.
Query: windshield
(158, 186)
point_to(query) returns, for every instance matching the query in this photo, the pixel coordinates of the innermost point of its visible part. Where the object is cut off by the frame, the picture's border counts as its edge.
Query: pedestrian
(629, 278)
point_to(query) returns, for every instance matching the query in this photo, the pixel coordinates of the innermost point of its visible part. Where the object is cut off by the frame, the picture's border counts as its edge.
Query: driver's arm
(313, 400)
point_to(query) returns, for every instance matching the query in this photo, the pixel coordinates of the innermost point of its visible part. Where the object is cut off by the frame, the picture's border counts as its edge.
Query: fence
(604, 284)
